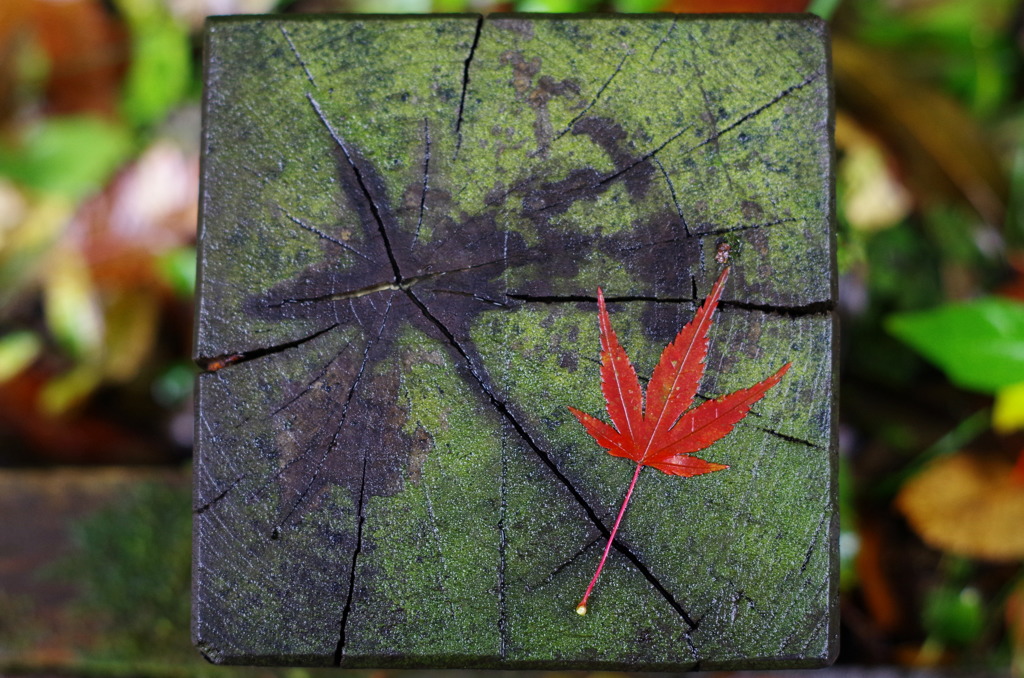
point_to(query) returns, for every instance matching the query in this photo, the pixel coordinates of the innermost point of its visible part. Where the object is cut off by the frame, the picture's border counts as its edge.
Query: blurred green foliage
(17, 351)
(160, 68)
(68, 156)
(178, 267)
(978, 344)
(961, 44)
(954, 617)
(132, 567)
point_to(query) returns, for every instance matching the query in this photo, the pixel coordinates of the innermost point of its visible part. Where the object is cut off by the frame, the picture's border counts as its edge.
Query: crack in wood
(374, 209)
(814, 542)
(405, 284)
(792, 439)
(208, 505)
(472, 295)
(309, 386)
(530, 588)
(465, 85)
(322, 235)
(572, 123)
(337, 432)
(672, 192)
(647, 156)
(797, 311)
(426, 175)
(746, 227)
(612, 176)
(215, 363)
(339, 296)
(810, 636)
(298, 57)
(657, 243)
(505, 412)
(664, 39)
(710, 113)
(339, 651)
(757, 111)
(688, 637)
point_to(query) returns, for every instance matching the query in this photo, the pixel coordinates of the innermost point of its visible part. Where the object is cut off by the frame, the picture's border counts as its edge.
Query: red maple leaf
(661, 433)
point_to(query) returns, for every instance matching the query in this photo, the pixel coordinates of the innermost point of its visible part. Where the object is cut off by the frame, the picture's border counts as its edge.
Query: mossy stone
(403, 225)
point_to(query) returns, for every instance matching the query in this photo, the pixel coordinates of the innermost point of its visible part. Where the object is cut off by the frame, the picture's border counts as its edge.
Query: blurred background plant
(99, 130)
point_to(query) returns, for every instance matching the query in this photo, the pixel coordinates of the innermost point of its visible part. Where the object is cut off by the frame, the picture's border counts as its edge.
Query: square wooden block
(404, 224)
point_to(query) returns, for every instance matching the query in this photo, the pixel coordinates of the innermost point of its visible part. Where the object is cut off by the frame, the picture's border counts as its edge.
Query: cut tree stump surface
(404, 224)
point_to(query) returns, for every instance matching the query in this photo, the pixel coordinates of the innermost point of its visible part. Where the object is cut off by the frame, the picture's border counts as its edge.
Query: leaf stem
(581, 609)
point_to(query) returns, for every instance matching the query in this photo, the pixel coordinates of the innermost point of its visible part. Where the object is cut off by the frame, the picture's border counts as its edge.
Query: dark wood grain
(404, 223)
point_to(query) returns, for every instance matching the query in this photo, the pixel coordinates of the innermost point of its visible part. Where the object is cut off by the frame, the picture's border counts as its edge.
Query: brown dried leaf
(967, 506)
(87, 51)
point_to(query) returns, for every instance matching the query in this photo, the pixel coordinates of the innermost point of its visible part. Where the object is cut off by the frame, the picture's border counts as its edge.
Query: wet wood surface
(404, 224)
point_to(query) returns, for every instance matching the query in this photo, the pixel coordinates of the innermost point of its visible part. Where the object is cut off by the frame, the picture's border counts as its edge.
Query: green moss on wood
(430, 572)
(408, 488)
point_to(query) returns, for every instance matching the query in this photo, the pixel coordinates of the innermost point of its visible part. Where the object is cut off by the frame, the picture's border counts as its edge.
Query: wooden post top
(404, 224)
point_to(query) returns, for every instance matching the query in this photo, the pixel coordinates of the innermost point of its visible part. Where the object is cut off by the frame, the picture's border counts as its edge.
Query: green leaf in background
(555, 6)
(160, 73)
(823, 8)
(637, 6)
(954, 617)
(963, 42)
(178, 269)
(17, 351)
(69, 156)
(451, 6)
(979, 344)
